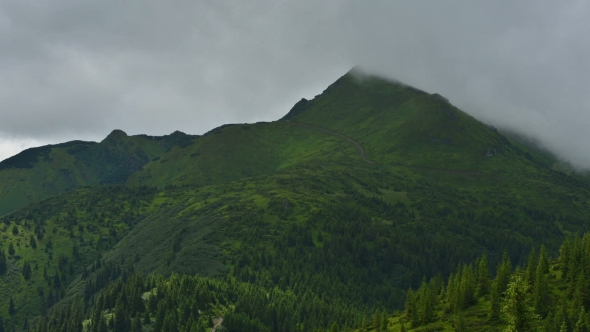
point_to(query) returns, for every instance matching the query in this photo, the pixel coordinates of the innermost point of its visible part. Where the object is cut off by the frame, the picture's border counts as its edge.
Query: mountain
(38, 173)
(350, 199)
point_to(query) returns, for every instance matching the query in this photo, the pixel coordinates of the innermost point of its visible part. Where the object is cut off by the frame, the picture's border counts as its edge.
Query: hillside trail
(358, 146)
(216, 323)
(364, 156)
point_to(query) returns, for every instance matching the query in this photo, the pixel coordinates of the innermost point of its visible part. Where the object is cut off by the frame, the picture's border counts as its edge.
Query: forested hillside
(331, 214)
(544, 294)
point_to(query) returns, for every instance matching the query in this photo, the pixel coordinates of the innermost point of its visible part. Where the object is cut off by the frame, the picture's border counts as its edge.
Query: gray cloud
(78, 69)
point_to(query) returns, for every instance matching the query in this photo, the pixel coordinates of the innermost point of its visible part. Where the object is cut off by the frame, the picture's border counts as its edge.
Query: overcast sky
(74, 69)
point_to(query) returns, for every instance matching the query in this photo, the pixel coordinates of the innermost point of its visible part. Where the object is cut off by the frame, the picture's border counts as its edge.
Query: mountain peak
(116, 135)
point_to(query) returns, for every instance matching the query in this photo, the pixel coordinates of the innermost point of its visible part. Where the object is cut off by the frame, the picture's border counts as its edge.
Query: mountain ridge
(354, 197)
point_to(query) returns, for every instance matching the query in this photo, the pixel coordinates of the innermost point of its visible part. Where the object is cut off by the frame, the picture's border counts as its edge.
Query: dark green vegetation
(39, 173)
(351, 199)
(541, 295)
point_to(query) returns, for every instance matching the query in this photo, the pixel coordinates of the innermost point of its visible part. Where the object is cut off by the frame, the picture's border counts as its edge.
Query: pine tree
(334, 327)
(75, 251)
(11, 306)
(122, 321)
(483, 277)
(581, 323)
(541, 292)
(520, 315)
(377, 320)
(468, 287)
(494, 314)
(531, 268)
(33, 242)
(581, 291)
(136, 326)
(27, 270)
(460, 324)
(102, 324)
(15, 230)
(2, 262)
(450, 295)
(425, 304)
(384, 321)
(11, 250)
(503, 273)
(544, 259)
(171, 322)
(146, 318)
(411, 310)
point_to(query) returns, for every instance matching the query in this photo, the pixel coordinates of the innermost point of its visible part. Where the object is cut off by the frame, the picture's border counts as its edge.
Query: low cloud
(78, 69)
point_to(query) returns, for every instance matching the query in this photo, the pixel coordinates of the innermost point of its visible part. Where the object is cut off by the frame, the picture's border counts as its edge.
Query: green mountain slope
(233, 152)
(38, 173)
(353, 197)
(397, 124)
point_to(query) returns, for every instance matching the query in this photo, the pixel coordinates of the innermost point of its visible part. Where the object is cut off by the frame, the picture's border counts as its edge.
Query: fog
(78, 69)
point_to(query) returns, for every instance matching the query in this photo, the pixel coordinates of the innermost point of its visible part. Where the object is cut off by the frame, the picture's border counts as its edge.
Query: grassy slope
(400, 128)
(234, 152)
(42, 172)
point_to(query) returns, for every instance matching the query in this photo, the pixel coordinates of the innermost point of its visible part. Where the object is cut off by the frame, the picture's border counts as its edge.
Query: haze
(79, 69)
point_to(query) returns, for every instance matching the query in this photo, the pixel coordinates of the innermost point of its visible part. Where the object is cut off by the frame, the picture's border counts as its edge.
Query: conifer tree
(11, 306)
(468, 287)
(541, 291)
(520, 315)
(102, 324)
(494, 314)
(425, 304)
(75, 251)
(503, 273)
(483, 277)
(122, 321)
(384, 322)
(377, 320)
(531, 268)
(171, 322)
(460, 324)
(2, 329)
(544, 259)
(581, 323)
(411, 311)
(2, 262)
(581, 291)
(146, 318)
(27, 270)
(450, 295)
(334, 327)
(33, 242)
(11, 250)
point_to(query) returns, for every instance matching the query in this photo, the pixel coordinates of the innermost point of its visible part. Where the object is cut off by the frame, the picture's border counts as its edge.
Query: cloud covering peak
(78, 69)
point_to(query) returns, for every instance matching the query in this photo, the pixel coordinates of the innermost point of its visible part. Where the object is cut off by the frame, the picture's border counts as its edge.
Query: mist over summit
(76, 73)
